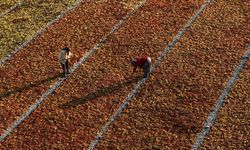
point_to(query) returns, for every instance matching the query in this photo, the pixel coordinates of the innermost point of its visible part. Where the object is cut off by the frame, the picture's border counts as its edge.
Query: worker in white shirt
(64, 57)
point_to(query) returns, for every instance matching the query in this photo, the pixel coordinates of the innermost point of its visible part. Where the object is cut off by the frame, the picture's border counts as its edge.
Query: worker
(143, 63)
(64, 58)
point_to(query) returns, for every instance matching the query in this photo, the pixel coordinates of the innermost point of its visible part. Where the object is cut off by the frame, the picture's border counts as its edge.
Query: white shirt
(64, 56)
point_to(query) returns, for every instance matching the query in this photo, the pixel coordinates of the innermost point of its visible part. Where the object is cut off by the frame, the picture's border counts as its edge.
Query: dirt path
(77, 110)
(171, 108)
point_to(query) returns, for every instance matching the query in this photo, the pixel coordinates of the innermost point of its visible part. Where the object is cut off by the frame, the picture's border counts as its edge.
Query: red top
(141, 61)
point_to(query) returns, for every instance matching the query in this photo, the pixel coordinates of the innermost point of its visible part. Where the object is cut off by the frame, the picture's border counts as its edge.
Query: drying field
(6, 5)
(169, 110)
(24, 19)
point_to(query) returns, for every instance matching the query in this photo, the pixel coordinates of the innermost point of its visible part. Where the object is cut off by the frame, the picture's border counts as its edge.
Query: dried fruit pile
(31, 71)
(6, 5)
(77, 110)
(169, 109)
(23, 22)
(231, 130)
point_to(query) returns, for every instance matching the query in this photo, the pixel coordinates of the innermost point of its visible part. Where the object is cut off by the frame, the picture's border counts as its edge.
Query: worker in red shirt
(143, 63)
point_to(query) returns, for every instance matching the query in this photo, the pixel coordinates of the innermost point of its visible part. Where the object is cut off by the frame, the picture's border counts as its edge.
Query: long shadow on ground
(27, 87)
(100, 92)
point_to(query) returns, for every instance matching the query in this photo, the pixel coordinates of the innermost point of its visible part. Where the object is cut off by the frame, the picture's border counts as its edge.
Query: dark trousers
(146, 69)
(65, 67)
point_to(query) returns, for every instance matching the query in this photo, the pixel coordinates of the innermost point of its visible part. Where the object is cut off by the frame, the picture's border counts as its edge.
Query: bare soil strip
(74, 113)
(170, 110)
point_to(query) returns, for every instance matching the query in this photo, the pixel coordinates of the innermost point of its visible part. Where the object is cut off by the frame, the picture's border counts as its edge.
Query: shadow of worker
(15, 90)
(100, 92)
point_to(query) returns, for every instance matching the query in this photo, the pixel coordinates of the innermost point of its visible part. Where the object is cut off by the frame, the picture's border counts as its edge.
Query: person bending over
(143, 63)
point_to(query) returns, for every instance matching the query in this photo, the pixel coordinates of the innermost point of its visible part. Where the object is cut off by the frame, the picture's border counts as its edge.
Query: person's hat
(133, 61)
(66, 49)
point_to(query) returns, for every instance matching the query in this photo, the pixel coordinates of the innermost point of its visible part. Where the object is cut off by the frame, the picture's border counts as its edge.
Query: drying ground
(169, 110)
(22, 22)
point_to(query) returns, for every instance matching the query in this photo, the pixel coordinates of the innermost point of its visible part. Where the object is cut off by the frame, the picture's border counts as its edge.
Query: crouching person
(64, 57)
(143, 63)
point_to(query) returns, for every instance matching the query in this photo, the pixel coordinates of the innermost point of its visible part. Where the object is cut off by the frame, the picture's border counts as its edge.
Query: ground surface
(169, 110)
(22, 22)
